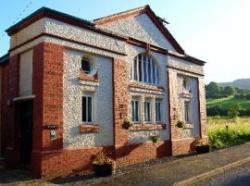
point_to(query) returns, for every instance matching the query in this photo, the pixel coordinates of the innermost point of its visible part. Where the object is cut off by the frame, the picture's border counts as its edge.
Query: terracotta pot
(103, 170)
(202, 149)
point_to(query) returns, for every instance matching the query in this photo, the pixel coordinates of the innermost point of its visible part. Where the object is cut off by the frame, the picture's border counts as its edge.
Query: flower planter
(200, 149)
(103, 170)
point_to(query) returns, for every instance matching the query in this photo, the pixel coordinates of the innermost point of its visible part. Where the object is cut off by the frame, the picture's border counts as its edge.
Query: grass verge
(225, 132)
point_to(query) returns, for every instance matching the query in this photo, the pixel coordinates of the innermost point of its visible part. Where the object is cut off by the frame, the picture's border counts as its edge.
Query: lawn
(225, 132)
(227, 102)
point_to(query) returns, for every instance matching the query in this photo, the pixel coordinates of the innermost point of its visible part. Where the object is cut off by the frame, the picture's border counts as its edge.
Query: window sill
(141, 127)
(188, 126)
(146, 86)
(89, 128)
(88, 77)
(186, 95)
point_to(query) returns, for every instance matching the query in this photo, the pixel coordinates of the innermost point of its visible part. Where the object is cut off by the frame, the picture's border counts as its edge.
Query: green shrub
(220, 136)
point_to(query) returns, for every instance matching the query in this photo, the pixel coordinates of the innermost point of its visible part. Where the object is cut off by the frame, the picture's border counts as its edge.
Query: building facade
(68, 85)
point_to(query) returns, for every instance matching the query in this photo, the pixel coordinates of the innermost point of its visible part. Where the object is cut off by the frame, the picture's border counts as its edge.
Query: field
(227, 102)
(224, 132)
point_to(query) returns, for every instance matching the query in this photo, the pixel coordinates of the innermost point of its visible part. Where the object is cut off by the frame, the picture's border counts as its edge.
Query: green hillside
(227, 102)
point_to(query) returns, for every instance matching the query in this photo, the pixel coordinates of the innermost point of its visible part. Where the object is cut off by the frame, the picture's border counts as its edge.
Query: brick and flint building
(68, 84)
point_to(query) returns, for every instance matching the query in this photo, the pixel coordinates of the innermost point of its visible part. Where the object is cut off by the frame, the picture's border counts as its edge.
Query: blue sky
(215, 31)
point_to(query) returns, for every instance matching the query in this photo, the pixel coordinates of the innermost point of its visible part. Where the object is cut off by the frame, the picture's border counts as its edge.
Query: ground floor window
(135, 110)
(147, 111)
(158, 110)
(187, 111)
(87, 108)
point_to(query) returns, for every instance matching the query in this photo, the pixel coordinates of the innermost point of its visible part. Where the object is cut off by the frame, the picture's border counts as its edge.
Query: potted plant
(201, 146)
(127, 123)
(180, 124)
(154, 138)
(102, 165)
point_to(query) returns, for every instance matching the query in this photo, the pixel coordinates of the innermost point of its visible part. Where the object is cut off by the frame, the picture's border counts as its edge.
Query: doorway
(25, 122)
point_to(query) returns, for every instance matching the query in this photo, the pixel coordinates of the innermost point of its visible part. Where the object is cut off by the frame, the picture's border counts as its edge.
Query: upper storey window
(86, 65)
(145, 69)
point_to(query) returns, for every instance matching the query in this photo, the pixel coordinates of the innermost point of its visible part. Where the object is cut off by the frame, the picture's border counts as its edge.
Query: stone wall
(140, 27)
(73, 91)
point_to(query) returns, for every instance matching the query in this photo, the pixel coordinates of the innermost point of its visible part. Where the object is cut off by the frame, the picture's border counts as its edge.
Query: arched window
(145, 69)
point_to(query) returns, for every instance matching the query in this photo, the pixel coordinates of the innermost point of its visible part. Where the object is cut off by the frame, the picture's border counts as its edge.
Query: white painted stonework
(82, 35)
(140, 27)
(72, 106)
(184, 65)
(194, 111)
(26, 74)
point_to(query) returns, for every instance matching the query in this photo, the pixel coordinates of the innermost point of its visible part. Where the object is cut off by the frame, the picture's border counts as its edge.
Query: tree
(228, 91)
(234, 111)
(213, 90)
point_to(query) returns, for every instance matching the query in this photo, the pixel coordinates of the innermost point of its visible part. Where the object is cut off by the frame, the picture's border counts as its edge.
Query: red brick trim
(48, 103)
(89, 128)
(144, 127)
(120, 74)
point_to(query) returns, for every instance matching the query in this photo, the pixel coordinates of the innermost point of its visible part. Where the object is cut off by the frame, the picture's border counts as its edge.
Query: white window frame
(145, 64)
(158, 101)
(187, 111)
(132, 109)
(146, 119)
(87, 110)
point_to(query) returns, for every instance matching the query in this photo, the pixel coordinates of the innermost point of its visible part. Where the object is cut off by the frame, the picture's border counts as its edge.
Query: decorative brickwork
(11, 148)
(4, 102)
(137, 153)
(202, 107)
(120, 100)
(137, 127)
(89, 128)
(48, 104)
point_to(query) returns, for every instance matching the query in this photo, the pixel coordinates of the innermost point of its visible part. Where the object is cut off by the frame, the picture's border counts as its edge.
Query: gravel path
(237, 177)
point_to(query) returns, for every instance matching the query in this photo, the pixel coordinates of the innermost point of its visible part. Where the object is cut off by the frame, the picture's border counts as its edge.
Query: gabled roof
(138, 11)
(66, 18)
(4, 59)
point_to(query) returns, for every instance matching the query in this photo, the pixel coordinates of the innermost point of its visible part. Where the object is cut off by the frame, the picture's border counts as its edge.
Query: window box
(87, 77)
(89, 128)
(188, 126)
(200, 149)
(143, 127)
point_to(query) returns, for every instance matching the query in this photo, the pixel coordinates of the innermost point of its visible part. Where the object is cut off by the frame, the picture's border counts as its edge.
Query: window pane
(149, 72)
(86, 67)
(135, 69)
(158, 111)
(147, 111)
(187, 110)
(154, 76)
(84, 111)
(135, 110)
(144, 68)
(89, 109)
